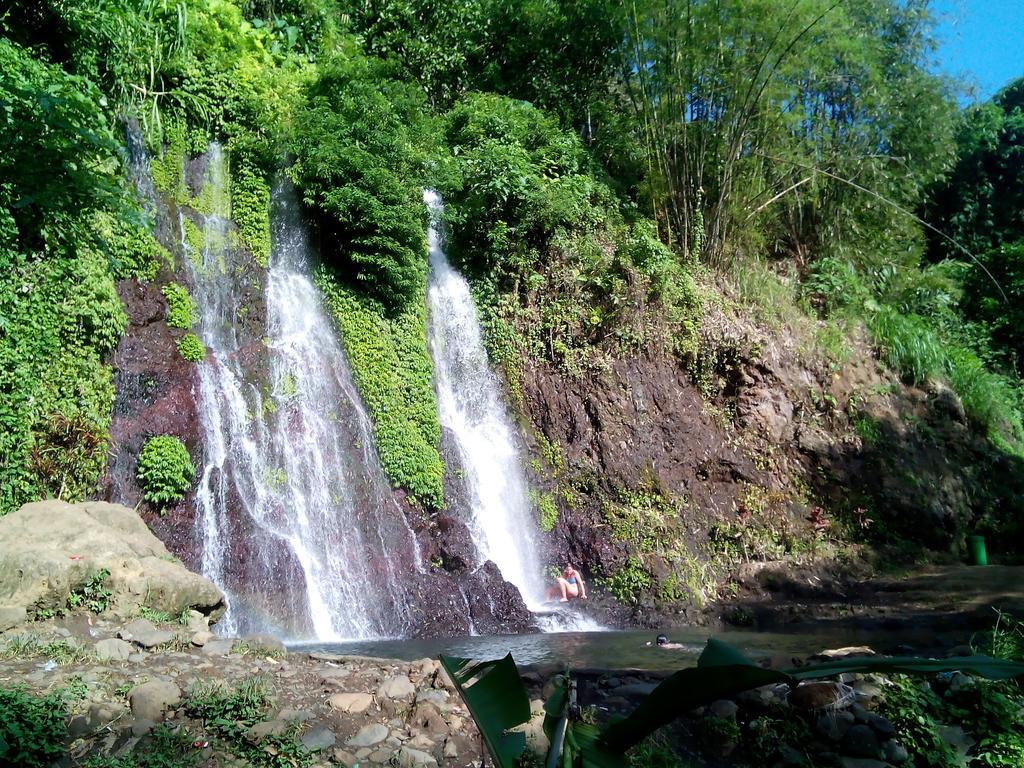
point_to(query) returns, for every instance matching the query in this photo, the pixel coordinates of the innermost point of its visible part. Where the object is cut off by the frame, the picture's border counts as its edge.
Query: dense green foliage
(59, 312)
(32, 729)
(393, 370)
(356, 166)
(165, 470)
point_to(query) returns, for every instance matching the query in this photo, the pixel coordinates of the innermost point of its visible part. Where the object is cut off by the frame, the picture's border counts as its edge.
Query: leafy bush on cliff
(356, 166)
(165, 470)
(191, 348)
(181, 307)
(59, 312)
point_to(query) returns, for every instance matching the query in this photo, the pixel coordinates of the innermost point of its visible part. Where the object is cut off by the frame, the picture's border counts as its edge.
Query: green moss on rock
(393, 370)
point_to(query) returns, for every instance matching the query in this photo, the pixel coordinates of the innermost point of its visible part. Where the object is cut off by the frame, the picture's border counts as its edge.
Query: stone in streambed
(264, 644)
(342, 757)
(317, 738)
(145, 634)
(260, 731)
(350, 702)
(113, 649)
(398, 687)
(202, 637)
(410, 758)
(219, 647)
(151, 700)
(834, 725)
(724, 708)
(368, 735)
(895, 752)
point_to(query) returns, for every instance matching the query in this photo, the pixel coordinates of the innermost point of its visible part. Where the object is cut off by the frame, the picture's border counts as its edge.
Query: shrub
(181, 307)
(32, 730)
(356, 167)
(191, 348)
(165, 470)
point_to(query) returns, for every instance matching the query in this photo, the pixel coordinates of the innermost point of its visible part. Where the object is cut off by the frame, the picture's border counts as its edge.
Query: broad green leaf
(495, 696)
(982, 666)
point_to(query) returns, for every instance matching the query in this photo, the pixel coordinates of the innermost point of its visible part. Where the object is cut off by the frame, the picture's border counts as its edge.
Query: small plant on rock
(165, 470)
(191, 348)
(181, 307)
(91, 594)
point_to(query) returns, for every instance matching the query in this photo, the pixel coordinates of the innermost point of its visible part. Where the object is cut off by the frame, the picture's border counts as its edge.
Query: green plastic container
(976, 550)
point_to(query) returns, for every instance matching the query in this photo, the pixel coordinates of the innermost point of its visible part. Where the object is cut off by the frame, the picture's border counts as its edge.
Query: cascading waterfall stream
(471, 407)
(296, 519)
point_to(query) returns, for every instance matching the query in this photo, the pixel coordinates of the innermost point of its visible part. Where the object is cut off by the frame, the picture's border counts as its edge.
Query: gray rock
(48, 548)
(264, 643)
(408, 757)
(368, 735)
(382, 756)
(218, 647)
(958, 682)
(350, 702)
(151, 700)
(957, 738)
(398, 687)
(434, 696)
(724, 708)
(860, 714)
(197, 622)
(834, 725)
(260, 731)
(318, 737)
(142, 726)
(895, 752)
(882, 727)
(12, 616)
(363, 753)
(113, 649)
(342, 757)
(295, 715)
(860, 741)
(635, 689)
(137, 658)
(145, 634)
(202, 637)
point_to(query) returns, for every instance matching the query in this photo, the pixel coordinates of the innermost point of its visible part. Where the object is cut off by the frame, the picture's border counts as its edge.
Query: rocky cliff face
(779, 456)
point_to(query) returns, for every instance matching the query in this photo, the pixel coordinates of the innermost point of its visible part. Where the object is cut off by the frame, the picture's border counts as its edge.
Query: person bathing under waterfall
(569, 584)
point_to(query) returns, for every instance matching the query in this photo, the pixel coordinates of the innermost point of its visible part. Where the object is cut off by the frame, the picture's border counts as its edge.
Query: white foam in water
(289, 445)
(471, 406)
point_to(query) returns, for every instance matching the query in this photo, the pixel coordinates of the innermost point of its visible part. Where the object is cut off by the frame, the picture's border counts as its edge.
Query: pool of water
(629, 649)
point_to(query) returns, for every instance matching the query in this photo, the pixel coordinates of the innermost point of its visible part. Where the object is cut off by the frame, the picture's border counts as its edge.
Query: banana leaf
(723, 671)
(495, 696)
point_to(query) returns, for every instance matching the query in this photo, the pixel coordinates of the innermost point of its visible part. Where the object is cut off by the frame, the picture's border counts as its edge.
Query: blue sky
(981, 41)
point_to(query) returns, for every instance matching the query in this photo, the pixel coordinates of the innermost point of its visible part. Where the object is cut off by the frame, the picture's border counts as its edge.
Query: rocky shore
(130, 691)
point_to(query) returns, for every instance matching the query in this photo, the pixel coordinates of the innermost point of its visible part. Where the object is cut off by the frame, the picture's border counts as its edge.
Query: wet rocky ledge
(128, 684)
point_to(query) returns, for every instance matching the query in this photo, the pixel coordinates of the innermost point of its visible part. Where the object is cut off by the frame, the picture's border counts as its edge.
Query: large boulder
(50, 548)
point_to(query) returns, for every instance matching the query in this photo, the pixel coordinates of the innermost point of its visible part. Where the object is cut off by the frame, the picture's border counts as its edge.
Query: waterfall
(472, 409)
(297, 522)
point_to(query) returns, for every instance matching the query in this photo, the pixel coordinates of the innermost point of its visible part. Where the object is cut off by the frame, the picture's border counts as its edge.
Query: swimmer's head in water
(662, 640)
